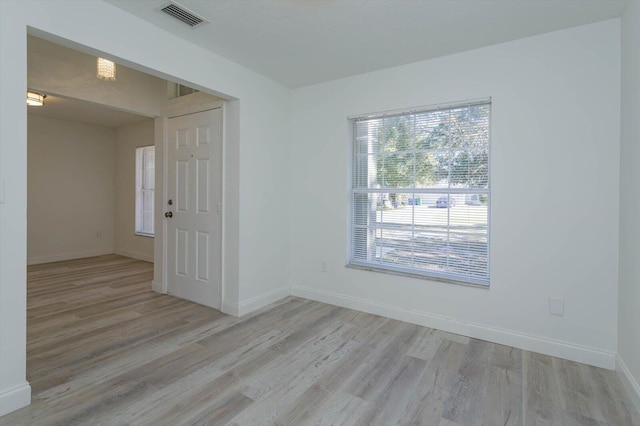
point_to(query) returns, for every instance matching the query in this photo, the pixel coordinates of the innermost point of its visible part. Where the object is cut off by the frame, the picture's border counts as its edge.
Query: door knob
(168, 214)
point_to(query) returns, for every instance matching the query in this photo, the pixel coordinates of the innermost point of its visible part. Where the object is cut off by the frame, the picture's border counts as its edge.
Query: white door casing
(194, 186)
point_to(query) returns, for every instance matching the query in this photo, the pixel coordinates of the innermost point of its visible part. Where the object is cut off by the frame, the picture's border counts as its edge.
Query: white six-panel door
(194, 230)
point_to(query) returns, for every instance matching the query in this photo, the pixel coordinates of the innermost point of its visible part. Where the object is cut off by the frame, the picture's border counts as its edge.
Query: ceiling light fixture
(106, 70)
(35, 99)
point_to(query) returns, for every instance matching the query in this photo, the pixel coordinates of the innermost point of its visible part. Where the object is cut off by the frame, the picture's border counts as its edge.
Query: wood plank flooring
(104, 349)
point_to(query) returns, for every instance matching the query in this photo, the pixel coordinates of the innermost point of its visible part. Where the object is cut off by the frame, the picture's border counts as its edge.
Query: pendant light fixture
(106, 70)
(35, 99)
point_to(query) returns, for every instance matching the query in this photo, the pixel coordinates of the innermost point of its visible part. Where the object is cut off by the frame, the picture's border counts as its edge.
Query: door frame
(189, 104)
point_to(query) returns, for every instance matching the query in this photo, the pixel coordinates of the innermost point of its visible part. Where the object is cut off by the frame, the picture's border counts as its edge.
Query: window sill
(140, 234)
(412, 275)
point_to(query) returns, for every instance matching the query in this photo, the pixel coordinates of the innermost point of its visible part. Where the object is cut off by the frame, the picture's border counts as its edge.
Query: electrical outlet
(556, 306)
(323, 266)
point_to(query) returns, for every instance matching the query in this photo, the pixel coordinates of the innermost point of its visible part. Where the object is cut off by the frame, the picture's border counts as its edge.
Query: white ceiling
(83, 112)
(302, 42)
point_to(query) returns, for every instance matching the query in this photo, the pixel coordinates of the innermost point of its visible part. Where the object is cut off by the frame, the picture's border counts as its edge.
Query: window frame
(139, 173)
(391, 269)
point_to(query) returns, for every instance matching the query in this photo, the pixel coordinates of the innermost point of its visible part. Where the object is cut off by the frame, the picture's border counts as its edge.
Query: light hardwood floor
(104, 349)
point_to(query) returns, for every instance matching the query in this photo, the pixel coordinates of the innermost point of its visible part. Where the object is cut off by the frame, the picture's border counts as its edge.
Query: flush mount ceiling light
(106, 70)
(35, 99)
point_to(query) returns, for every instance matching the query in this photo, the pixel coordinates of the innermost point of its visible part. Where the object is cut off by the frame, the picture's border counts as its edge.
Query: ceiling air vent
(183, 14)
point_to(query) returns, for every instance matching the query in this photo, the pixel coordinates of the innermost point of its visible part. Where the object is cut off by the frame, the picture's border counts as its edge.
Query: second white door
(194, 212)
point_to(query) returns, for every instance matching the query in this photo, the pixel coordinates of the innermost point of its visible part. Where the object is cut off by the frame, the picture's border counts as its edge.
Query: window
(145, 186)
(420, 193)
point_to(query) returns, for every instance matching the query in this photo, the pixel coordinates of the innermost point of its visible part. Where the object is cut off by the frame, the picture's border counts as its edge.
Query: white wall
(71, 190)
(629, 305)
(555, 131)
(256, 155)
(263, 199)
(14, 389)
(128, 138)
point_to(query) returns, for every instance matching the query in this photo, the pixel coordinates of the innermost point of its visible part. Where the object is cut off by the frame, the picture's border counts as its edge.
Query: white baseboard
(255, 303)
(157, 286)
(68, 256)
(230, 308)
(135, 255)
(583, 354)
(15, 398)
(630, 382)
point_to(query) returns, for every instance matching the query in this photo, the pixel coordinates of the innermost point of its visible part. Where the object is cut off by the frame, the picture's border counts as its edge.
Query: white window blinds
(145, 188)
(420, 193)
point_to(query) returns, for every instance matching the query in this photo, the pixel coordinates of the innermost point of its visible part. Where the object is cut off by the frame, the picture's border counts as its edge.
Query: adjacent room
(86, 175)
(295, 212)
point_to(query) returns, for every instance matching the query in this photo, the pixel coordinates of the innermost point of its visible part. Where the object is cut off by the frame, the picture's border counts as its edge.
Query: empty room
(364, 212)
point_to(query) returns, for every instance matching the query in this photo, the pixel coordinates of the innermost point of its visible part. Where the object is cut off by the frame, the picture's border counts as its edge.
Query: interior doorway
(15, 198)
(67, 76)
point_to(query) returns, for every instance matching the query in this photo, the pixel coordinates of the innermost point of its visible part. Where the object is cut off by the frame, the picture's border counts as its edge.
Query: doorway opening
(85, 196)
